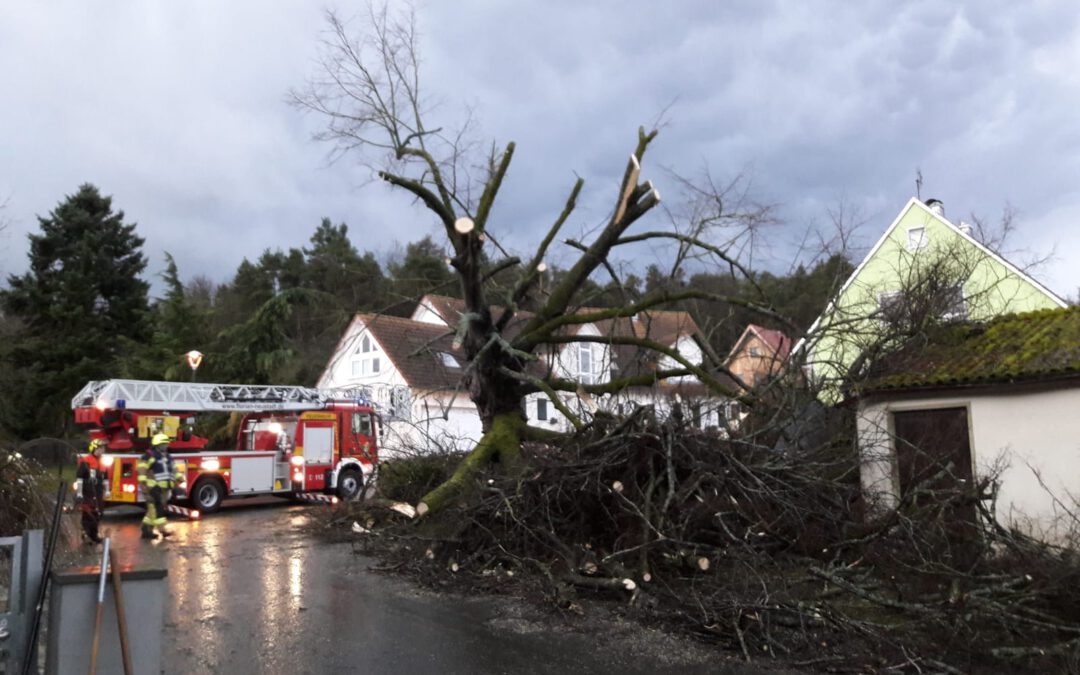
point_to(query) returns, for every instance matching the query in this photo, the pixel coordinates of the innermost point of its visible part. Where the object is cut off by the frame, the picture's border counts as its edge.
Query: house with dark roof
(994, 400)
(413, 370)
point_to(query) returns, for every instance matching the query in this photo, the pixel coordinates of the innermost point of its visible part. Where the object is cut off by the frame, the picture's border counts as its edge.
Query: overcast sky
(177, 110)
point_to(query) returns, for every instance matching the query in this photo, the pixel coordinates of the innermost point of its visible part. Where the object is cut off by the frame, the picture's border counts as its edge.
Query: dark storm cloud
(177, 110)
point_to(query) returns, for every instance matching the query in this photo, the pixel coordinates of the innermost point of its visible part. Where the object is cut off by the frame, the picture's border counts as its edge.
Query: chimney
(965, 228)
(937, 206)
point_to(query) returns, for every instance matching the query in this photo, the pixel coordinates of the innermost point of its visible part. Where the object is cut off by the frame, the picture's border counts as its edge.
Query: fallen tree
(764, 552)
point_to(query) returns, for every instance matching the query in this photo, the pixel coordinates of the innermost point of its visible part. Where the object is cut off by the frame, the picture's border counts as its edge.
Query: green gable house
(924, 267)
(986, 408)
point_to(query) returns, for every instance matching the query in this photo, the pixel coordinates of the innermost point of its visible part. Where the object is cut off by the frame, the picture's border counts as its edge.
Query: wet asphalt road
(250, 591)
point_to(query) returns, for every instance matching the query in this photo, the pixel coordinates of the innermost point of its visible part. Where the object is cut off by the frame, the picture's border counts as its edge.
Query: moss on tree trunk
(501, 443)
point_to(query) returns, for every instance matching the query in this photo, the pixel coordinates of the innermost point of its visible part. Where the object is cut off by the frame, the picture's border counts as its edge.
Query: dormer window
(917, 238)
(448, 360)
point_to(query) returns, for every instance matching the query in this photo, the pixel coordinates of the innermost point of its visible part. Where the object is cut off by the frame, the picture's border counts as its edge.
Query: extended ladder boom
(195, 397)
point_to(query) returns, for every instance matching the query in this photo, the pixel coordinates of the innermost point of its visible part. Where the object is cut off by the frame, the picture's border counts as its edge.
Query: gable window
(585, 364)
(754, 351)
(541, 409)
(366, 346)
(917, 238)
(366, 366)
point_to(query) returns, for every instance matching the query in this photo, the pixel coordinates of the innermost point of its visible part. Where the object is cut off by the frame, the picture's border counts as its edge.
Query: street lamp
(194, 360)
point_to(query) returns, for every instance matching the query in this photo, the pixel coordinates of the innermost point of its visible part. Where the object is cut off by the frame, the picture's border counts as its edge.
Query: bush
(409, 479)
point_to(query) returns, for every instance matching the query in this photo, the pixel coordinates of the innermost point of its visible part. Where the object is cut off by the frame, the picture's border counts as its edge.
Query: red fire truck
(290, 441)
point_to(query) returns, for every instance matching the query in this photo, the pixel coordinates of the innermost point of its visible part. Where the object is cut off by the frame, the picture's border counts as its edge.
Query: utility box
(73, 606)
(20, 581)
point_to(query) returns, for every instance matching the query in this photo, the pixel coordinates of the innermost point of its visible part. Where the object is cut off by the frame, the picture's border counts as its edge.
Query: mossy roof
(1039, 345)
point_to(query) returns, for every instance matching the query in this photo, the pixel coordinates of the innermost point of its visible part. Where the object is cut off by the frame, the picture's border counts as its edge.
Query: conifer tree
(81, 306)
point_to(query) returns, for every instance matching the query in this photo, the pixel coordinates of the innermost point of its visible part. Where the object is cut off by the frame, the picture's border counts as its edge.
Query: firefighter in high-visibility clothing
(92, 492)
(156, 477)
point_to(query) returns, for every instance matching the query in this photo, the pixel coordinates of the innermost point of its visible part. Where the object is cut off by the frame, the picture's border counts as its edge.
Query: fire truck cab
(290, 441)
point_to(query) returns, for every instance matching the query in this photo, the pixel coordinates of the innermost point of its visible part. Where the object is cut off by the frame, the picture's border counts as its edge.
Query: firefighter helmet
(159, 439)
(95, 443)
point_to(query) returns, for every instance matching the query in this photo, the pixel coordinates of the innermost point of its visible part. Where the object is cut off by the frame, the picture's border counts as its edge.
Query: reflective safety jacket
(92, 479)
(155, 469)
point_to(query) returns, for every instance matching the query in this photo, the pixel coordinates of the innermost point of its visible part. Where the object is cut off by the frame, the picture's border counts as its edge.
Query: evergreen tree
(334, 266)
(80, 307)
(422, 270)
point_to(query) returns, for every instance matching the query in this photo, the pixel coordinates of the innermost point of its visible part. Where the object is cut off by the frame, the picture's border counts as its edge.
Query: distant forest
(83, 311)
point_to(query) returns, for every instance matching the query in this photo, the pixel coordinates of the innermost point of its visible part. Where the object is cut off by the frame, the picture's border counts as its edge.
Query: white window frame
(917, 238)
(362, 367)
(585, 370)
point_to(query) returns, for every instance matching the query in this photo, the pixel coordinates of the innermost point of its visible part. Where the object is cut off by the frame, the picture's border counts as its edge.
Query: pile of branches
(766, 552)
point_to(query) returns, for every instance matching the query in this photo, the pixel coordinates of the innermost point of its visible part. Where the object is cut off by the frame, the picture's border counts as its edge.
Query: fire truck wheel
(208, 495)
(350, 482)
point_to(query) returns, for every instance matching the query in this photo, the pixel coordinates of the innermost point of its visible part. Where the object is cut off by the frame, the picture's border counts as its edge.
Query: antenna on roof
(918, 183)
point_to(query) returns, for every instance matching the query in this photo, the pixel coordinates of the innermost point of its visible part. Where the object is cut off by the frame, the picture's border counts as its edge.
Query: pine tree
(80, 308)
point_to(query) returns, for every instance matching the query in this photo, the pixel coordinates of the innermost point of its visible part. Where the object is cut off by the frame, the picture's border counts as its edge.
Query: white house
(995, 399)
(414, 373)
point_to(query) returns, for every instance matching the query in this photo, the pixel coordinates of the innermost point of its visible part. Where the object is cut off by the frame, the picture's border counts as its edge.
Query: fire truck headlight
(107, 461)
(129, 488)
(298, 476)
(296, 460)
(275, 427)
(101, 404)
(210, 465)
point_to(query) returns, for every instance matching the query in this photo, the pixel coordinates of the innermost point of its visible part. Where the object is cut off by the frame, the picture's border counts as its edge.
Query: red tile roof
(778, 342)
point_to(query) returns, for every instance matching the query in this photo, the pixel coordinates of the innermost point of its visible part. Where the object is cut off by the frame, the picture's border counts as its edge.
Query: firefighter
(93, 490)
(156, 477)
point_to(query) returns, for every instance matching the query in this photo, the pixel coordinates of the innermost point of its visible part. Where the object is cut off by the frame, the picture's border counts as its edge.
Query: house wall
(339, 373)
(425, 314)
(690, 350)
(1031, 431)
(439, 421)
(566, 361)
(749, 368)
(990, 288)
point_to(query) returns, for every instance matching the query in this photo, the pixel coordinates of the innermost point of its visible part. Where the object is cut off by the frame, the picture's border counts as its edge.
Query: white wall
(425, 314)
(339, 372)
(428, 431)
(1035, 431)
(690, 350)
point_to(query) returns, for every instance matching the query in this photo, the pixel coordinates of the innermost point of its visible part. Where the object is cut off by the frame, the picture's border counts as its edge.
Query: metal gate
(20, 580)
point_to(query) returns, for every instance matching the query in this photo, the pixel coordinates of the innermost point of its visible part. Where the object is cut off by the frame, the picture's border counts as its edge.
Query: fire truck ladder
(185, 396)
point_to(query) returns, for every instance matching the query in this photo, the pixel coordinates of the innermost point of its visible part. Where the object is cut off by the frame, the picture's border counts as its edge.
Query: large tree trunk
(500, 443)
